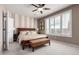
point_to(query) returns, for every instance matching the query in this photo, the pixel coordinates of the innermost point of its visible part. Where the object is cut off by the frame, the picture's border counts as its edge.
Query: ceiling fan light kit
(40, 8)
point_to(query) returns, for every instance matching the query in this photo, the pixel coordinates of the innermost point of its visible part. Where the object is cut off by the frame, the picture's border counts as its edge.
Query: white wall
(22, 21)
(16, 22)
(25, 22)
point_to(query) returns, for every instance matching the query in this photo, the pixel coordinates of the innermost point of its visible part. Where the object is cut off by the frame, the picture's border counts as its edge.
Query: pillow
(29, 32)
(24, 32)
(33, 32)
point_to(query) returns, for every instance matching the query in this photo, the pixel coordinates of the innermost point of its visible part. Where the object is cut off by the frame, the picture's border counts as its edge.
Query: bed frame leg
(29, 46)
(32, 49)
(49, 43)
(23, 47)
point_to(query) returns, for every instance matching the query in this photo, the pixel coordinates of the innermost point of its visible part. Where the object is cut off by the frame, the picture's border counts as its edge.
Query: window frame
(70, 21)
(60, 14)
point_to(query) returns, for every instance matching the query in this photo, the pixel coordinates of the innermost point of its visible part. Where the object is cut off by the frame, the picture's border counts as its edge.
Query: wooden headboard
(25, 29)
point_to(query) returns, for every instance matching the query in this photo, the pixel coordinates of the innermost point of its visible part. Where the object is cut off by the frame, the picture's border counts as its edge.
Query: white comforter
(30, 37)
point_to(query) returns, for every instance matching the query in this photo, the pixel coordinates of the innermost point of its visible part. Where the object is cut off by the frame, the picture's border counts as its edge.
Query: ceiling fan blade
(46, 8)
(41, 5)
(41, 12)
(34, 10)
(35, 5)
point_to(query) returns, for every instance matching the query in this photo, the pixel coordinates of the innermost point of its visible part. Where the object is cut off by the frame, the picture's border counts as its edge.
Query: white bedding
(30, 37)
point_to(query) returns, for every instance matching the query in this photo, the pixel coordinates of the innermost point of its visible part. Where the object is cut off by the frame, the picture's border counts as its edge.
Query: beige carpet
(56, 48)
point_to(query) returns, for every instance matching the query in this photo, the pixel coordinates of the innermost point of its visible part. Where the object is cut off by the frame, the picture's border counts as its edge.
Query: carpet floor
(56, 48)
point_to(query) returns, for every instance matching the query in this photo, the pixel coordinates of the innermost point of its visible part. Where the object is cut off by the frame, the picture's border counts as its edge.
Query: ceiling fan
(39, 7)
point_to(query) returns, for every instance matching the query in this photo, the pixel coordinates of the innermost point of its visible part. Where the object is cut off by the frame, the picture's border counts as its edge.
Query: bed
(29, 37)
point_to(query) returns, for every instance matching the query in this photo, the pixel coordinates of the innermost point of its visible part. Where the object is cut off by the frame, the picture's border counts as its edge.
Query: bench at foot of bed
(24, 43)
(38, 42)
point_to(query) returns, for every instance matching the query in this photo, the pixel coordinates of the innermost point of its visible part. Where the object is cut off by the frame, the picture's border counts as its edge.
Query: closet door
(4, 30)
(10, 30)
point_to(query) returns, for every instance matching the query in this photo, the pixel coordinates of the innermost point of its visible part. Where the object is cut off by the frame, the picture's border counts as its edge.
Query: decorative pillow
(24, 32)
(33, 32)
(29, 32)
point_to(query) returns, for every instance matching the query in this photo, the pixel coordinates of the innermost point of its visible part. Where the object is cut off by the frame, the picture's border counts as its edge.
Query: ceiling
(26, 9)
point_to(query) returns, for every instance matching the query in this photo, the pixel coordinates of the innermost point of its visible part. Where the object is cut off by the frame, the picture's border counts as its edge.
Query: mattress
(31, 37)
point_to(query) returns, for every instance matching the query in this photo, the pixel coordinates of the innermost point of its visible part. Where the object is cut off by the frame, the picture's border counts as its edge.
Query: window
(66, 23)
(59, 24)
(52, 27)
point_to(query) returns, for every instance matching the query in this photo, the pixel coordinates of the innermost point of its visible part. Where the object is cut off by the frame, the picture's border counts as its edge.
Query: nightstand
(15, 36)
